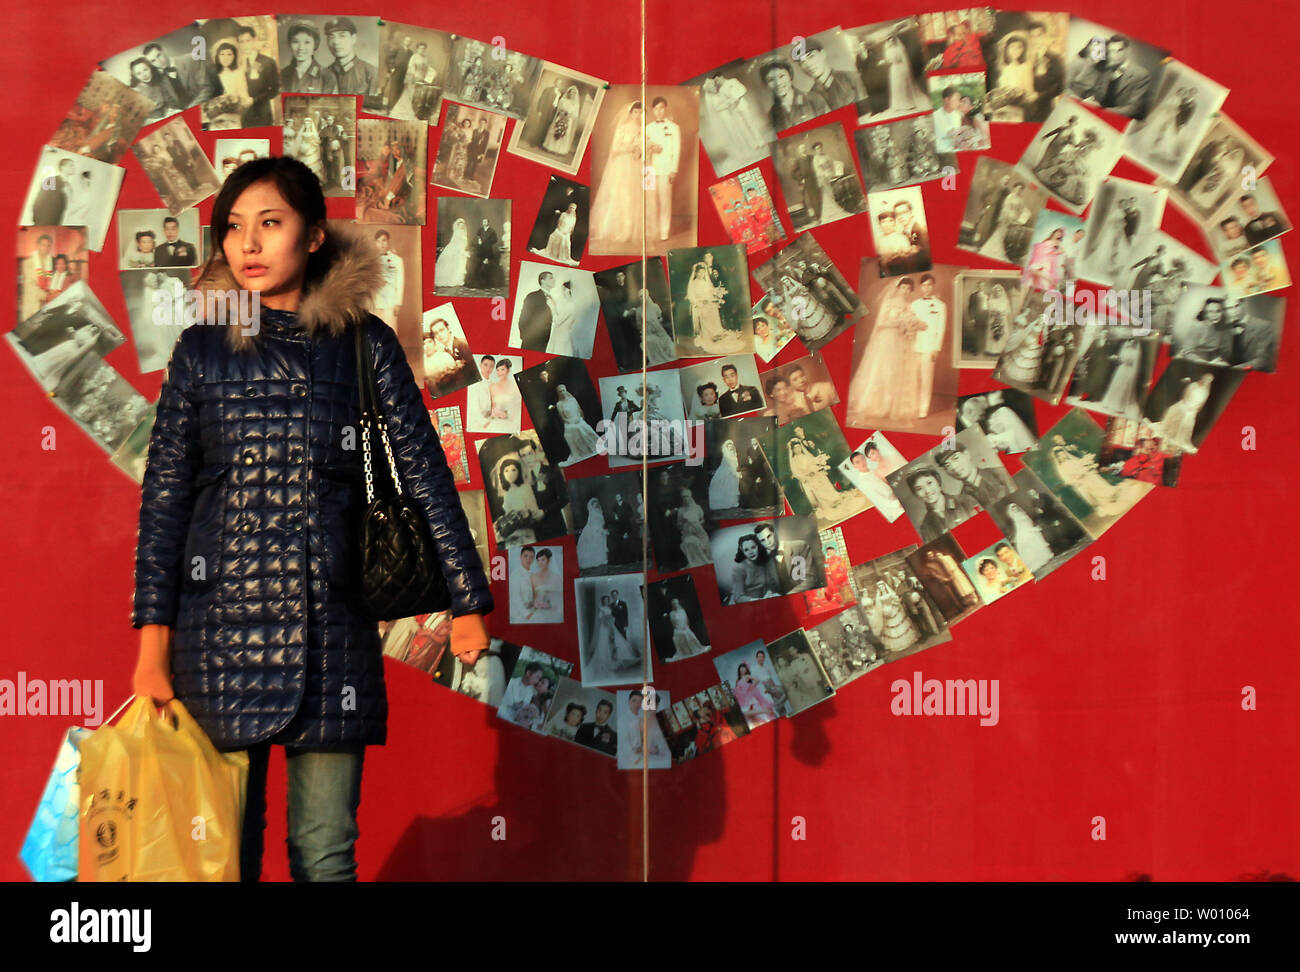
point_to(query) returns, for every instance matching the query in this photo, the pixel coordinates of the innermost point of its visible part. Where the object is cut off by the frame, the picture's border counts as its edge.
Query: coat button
(248, 459)
(246, 528)
(300, 390)
(249, 390)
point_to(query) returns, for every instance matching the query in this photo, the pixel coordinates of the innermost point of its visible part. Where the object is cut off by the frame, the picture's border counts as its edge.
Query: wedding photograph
(1071, 154)
(808, 457)
(70, 327)
(532, 688)
(702, 723)
(1122, 216)
(473, 248)
(735, 126)
(611, 630)
(560, 229)
(156, 238)
(960, 113)
(1219, 163)
(468, 150)
(527, 497)
(228, 154)
(747, 211)
(678, 519)
(608, 516)
(1025, 56)
(471, 501)
(493, 404)
(951, 38)
(769, 558)
(801, 675)
(1187, 400)
(868, 467)
(1040, 351)
(1111, 70)
(451, 436)
(647, 418)
(321, 54)
(901, 153)
(709, 287)
(772, 330)
(996, 571)
(641, 743)
(818, 178)
(898, 609)
(1038, 525)
(558, 122)
(741, 480)
(103, 404)
(937, 565)
(1247, 220)
(1005, 415)
(483, 681)
(890, 65)
(72, 190)
(1258, 271)
(749, 674)
(721, 388)
(482, 78)
(166, 72)
(413, 67)
(845, 647)
(50, 260)
(536, 578)
(987, 300)
(798, 388)
(1135, 449)
(242, 55)
(1212, 325)
(637, 307)
(420, 641)
(104, 120)
(808, 294)
(582, 715)
(155, 307)
(1052, 261)
(838, 591)
(677, 628)
(392, 162)
(448, 363)
(398, 301)
(1002, 207)
(174, 163)
(1114, 370)
(320, 131)
(555, 310)
(899, 231)
(1181, 111)
(564, 406)
(1164, 269)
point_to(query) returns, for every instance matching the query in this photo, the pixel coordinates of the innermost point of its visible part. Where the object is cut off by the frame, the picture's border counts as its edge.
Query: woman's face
(267, 244)
(593, 504)
(1214, 312)
(302, 46)
(225, 57)
(60, 264)
(749, 549)
(574, 718)
(510, 473)
(142, 71)
(761, 330)
(1016, 49)
(144, 244)
(709, 396)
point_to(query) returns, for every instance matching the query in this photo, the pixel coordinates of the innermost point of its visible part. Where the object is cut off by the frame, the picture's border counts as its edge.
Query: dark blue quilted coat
(247, 520)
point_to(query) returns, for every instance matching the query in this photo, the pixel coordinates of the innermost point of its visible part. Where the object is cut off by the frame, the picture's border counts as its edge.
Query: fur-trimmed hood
(341, 298)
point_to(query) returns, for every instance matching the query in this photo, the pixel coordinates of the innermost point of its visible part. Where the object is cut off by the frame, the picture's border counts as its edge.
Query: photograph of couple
(536, 585)
(611, 625)
(473, 248)
(755, 561)
(555, 310)
(527, 498)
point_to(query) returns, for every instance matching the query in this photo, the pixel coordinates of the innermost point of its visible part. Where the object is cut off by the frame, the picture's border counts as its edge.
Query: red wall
(1119, 698)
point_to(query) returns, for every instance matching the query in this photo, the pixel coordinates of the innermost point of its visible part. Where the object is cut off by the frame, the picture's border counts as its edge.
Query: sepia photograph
(1164, 269)
(473, 248)
(104, 120)
(845, 647)
(1181, 111)
(449, 364)
(1122, 218)
(798, 388)
(1071, 154)
(242, 55)
(735, 126)
(1247, 220)
(560, 229)
(1025, 54)
(809, 295)
(1042, 531)
(943, 488)
(1219, 164)
(801, 675)
(709, 286)
(742, 481)
(898, 230)
(721, 388)
(559, 118)
(68, 329)
(1002, 208)
(471, 501)
(397, 302)
(392, 162)
(1040, 350)
(889, 61)
(1185, 403)
(901, 153)
(321, 133)
(527, 497)
(937, 565)
(174, 163)
(898, 609)
(808, 458)
(320, 54)
(807, 78)
(641, 742)
(103, 404)
(1114, 370)
(1004, 415)
(414, 63)
(1259, 270)
(482, 78)
(468, 150)
(166, 72)
(818, 178)
(988, 301)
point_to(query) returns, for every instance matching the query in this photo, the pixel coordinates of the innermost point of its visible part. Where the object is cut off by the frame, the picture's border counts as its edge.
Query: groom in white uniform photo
(663, 146)
(928, 342)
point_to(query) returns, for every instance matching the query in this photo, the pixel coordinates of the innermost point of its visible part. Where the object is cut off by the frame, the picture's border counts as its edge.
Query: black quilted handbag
(400, 573)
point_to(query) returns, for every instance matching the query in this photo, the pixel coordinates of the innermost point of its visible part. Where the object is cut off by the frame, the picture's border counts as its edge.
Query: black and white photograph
(228, 154)
(555, 310)
(845, 647)
(473, 248)
(749, 673)
(898, 608)
(155, 304)
(582, 715)
(70, 327)
(559, 119)
(1164, 269)
(818, 177)
(678, 517)
(771, 558)
(104, 120)
(449, 364)
(747, 211)
(174, 164)
(484, 680)
(1001, 210)
(644, 418)
(641, 742)
(890, 64)
(1247, 220)
(155, 238)
(951, 38)
(1219, 164)
(996, 571)
(321, 133)
(988, 301)
(391, 170)
(772, 329)
(1182, 110)
(702, 723)
(808, 457)
(899, 231)
(709, 286)
(1041, 349)
(943, 488)
(798, 388)
(801, 673)
(241, 54)
(810, 295)
(1259, 270)
(937, 565)
(1043, 532)
(807, 78)
(419, 642)
(1067, 462)
(451, 436)
(637, 307)
(722, 388)
(1072, 153)
(320, 54)
(414, 63)
(903, 377)
(608, 514)
(166, 72)
(469, 150)
(1120, 222)
(1111, 70)
(742, 482)
(482, 78)
(1005, 415)
(560, 229)
(676, 621)
(960, 122)
(1114, 370)
(100, 401)
(471, 501)
(868, 467)
(527, 497)
(132, 455)
(534, 683)
(611, 629)
(1025, 55)
(535, 574)
(1211, 326)
(493, 403)
(901, 153)
(72, 190)
(562, 402)
(1186, 401)
(645, 203)
(398, 301)
(735, 126)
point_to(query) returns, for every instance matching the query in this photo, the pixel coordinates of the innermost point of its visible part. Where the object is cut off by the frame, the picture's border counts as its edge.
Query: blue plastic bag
(50, 851)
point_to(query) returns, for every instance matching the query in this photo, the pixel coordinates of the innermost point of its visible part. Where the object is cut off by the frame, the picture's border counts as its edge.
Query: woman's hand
(469, 637)
(152, 676)
(152, 682)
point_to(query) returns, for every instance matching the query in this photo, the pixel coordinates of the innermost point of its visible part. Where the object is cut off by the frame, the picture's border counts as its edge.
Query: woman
(57, 360)
(559, 245)
(724, 487)
(438, 360)
(1177, 426)
(889, 620)
(887, 381)
(548, 601)
(147, 82)
(61, 277)
(1043, 272)
(610, 651)
(1017, 227)
(227, 110)
(578, 435)
(705, 301)
(593, 541)
(999, 310)
(752, 579)
(563, 321)
(658, 346)
(417, 71)
(308, 148)
(1015, 77)
(1022, 358)
(810, 472)
(520, 513)
(460, 137)
(685, 644)
(765, 343)
(696, 550)
(1221, 166)
(616, 209)
(1121, 397)
(905, 95)
(453, 261)
(1007, 431)
(505, 399)
(1079, 471)
(215, 471)
(827, 170)
(1027, 538)
(563, 127)
(726, 104)
(812, 320)
(753, 700)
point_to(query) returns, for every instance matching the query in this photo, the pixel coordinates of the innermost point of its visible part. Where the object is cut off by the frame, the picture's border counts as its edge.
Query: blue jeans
(324, 793)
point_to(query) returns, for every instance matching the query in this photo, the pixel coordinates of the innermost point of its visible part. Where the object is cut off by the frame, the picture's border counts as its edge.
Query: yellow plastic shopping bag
(158, 801)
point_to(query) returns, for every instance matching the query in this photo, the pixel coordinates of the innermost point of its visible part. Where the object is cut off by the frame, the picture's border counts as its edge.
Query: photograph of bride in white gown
(811, 450)
(611, 629)
(558, 124)
(710, 301)
(677, 628)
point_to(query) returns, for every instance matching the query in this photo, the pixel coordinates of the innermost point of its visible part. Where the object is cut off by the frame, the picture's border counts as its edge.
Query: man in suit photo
(173, 251)
(737, 398)
(619, 609)
(263, 78)
(791, 561)
(478, 144)
(536, 313)
(185, 82)
(599, 734)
